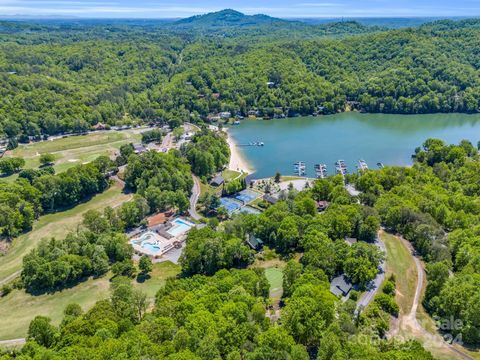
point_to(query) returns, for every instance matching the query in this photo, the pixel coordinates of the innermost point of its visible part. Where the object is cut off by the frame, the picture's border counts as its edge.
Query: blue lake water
(389, 139)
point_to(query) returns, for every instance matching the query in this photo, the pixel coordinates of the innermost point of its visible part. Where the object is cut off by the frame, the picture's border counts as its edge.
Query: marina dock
(341, 167)
(257, 143)
(362, 165)
(321, 171)
(299, 168)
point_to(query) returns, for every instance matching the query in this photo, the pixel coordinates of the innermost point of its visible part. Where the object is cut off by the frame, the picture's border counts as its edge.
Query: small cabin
(217, 181)
(254, 242)
(270, 199)
(139, 149)
(341, 286)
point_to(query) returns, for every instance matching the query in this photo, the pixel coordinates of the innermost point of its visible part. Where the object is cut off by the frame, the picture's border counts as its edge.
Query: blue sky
(278, 8)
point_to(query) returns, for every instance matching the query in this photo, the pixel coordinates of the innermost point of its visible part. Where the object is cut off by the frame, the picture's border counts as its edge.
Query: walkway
(12, 343)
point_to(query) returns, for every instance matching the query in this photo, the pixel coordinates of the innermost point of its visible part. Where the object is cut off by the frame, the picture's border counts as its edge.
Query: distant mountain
(227, 18)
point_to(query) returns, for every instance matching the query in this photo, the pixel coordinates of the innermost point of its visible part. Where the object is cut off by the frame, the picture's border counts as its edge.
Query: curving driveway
(367, 297)
(194, 199)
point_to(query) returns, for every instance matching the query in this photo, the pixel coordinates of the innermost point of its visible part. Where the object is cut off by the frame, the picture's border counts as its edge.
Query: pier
(321, 171)
(341, 167)
(362, 165)
(257, 143)
(299, 168)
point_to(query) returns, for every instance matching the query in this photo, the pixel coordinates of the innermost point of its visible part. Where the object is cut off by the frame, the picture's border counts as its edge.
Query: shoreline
(237, 159)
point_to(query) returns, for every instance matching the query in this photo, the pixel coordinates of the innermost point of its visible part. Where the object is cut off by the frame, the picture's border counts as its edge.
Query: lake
(389, 139)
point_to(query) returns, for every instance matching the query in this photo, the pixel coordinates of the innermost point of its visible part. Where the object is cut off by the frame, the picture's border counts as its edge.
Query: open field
(55, 225)
(74, 150)
(19, 308)
(230, 175)
(413, 321)
(161, 272)
(275, 278)
(400, 263)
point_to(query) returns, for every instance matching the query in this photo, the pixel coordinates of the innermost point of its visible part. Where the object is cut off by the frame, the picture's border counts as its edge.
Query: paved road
(369, 295)
(194, 199)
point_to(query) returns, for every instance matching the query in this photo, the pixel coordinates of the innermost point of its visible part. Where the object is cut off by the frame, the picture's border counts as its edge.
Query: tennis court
(247, 196)
(230, 204)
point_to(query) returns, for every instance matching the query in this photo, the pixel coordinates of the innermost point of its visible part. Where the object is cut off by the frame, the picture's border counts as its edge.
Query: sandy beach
(237, 161)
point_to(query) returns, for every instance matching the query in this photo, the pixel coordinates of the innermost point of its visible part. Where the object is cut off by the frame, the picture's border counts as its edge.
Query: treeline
(217, 317)
(39, 191)
(208, 251)
(59, 85)
(163, 180)
(56, 264)
(435, 206)
(207, 153)
(98, 246)
(293, 226)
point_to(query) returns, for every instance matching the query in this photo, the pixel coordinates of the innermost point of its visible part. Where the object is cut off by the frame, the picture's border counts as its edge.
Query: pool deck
(161, 237)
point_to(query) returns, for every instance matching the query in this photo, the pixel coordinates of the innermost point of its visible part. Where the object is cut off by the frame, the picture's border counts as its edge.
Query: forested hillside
(435, 205)
(64, 77)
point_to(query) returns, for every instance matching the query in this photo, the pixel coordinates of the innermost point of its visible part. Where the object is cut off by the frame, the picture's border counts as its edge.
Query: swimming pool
(151, 247)
(180, 227)
(148, 243)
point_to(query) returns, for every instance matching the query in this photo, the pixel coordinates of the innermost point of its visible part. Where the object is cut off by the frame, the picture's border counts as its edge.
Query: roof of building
(322, 204)
(157, 219)
(340, 286)
(217, 180)
(139, 148)
(350, 241)
(270, 198)
(254, 242)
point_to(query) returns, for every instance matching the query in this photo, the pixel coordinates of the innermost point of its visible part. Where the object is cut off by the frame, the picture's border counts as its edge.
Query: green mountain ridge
(229, 17)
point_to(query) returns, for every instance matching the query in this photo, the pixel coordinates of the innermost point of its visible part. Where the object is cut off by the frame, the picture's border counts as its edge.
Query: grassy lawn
(206, 188)
(400, 263)
(73, 150)
(275, 278)
(229, 175)
(19, 308)
(159, 274)
(56, 225)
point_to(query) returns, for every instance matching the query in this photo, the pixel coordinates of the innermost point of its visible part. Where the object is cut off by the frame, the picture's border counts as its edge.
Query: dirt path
(10, 277)
(410, 326)
(12, 343)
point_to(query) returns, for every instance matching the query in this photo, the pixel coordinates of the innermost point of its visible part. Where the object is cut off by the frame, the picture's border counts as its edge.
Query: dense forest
(435, 205)
(38, 191)
(58, 77)
(61, 78)
(217, 317)
(216, 308)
